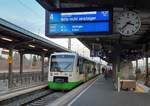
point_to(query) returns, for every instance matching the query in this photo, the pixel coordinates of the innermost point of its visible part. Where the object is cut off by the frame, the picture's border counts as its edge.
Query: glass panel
(62, 63)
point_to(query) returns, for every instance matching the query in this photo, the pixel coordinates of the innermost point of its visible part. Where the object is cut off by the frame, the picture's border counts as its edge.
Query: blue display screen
(79, 27)
(78, 16)
(78, 22)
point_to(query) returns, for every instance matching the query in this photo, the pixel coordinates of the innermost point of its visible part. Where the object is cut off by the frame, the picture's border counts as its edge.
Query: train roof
(68, 53)
(73, 53)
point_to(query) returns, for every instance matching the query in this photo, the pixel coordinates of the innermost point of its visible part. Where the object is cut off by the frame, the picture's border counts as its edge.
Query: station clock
(128, 23)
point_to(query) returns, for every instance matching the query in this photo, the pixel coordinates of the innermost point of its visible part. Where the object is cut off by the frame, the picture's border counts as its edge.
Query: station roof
(136, 4)
(12, 36)
(132, 47)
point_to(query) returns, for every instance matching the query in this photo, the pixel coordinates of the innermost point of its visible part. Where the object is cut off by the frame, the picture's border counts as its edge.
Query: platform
(102, 93)
(17, 92)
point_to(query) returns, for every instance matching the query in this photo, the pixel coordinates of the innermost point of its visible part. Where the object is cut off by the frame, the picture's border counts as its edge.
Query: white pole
(69, 43)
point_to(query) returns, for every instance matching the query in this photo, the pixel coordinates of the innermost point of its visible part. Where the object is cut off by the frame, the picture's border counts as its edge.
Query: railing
(27, 79)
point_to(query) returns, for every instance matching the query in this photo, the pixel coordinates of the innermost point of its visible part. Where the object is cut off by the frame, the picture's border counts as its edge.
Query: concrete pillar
(116, 65)
(21, 66)
(146, 68)
(10, 60)
(118, 71)
(136, 64)
(114, 71)
(42, 72)
(48, 61)
(146, 65)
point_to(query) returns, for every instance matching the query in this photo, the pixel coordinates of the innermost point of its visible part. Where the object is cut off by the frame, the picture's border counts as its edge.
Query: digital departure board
(78, 22)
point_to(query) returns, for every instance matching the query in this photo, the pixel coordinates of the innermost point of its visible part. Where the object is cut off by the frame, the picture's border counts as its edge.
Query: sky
(29, 15)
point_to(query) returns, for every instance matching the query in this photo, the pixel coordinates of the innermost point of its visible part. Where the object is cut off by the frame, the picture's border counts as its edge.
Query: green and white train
(68, 70)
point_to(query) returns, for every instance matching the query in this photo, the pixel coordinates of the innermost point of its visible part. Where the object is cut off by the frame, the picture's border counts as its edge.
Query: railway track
(39, 97)
(45, 100)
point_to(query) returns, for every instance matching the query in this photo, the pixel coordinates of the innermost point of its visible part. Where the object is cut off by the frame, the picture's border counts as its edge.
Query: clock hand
(127, 23)
(124, 26)
(131, 23)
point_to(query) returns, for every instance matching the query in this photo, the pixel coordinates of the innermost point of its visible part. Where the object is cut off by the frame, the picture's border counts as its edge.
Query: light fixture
(7, 39)
(45, 49)
(31, 46)
(109, 51)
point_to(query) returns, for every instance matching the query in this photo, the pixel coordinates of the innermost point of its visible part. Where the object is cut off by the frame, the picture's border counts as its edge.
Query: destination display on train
(76, 23)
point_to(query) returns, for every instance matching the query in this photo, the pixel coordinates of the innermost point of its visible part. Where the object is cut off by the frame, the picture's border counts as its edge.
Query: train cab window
(62, 63)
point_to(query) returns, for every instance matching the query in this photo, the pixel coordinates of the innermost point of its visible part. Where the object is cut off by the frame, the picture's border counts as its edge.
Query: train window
(62, 63)
(81, 66)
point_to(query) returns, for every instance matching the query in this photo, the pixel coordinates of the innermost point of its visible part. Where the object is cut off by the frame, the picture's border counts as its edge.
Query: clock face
(128, 23)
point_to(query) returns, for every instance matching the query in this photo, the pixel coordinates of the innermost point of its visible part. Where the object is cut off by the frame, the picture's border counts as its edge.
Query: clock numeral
(137, 22)
(132, 31)
(119, 18)
(128, 14)
(122, 15)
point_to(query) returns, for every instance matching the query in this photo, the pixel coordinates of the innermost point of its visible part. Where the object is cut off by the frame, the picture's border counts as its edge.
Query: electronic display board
(78, 22)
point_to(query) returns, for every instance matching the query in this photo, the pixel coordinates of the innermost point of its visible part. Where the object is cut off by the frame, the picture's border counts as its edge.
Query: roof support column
(146, 68)
(114, 70)
(136, 64)
(10, 60)
(42, 72)
(118, 70)
(116, 65)
(21, 66)
(136, 68)
(146, 65)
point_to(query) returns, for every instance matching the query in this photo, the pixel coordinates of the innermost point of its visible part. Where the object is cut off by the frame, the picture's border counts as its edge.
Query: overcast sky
(30, 15)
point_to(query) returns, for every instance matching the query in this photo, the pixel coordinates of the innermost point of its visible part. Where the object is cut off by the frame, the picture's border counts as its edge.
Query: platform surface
(102, 93)
(20, 91)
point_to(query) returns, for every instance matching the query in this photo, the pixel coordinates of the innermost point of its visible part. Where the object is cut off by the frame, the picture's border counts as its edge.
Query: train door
(85, 66)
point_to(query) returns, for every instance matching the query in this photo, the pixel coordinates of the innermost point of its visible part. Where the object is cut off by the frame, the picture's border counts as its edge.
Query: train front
(61, 71)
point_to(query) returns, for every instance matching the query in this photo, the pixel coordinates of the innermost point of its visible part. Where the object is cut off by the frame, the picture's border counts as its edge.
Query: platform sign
(78, 22)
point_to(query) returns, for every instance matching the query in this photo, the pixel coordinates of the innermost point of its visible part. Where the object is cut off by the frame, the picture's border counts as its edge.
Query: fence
(26, 80)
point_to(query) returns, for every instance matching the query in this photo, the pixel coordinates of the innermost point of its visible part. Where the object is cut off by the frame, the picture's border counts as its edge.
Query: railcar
(68, 70)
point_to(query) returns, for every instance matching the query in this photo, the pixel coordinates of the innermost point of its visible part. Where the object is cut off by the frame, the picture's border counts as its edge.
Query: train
(68, 70)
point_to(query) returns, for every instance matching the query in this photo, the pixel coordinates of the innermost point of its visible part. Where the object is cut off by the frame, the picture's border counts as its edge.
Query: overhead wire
(28, 7)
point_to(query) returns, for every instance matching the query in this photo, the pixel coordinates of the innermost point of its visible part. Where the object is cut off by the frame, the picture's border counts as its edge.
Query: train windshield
(62, 63)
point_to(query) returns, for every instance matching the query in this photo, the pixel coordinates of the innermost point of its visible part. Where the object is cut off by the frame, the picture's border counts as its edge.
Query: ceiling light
(6, 39)
(45, 49)
(31, 46)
